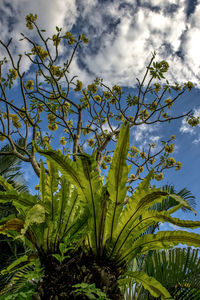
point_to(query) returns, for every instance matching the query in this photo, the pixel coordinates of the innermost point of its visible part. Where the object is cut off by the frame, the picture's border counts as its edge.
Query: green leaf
(51, 188)
(177, 269)
(43, 184)
(183, 202)
(20, 200)
(142, 199)
(148, 219)
(165, 217)
(66, 165)
(68, 207)
(116, 181)
(18, 264)
(92, 183)
(5, 219)
(62, 248)
(7, 186)
(58, 257)
(84, 176)
(35, 215)
(161, 240)
(151, 284)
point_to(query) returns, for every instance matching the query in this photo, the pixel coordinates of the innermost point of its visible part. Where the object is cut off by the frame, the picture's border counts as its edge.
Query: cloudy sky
(123, 34)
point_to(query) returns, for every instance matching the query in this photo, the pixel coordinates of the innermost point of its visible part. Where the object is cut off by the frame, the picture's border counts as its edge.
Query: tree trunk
(58, 280)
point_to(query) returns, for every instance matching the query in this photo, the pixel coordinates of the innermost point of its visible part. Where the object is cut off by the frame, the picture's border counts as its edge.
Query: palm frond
(170, 202)
(177, 269)
(10, 167)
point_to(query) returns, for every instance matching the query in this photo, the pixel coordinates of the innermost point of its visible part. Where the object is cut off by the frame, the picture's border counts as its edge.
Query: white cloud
(162, 3)
(122, 35)
(125, 51)
(196, 141)
(107, 127)
(186, 128)
(62, 13)
(50, 13)
(144, 135)
(192, 42)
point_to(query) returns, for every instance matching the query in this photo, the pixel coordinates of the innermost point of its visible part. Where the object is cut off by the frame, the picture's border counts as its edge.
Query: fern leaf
(161, 240)
(151, 218)
(155, 288)
(116, 182)
(7, 186)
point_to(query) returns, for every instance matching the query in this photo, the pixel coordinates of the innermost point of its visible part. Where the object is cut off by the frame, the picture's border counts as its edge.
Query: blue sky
(122, 35)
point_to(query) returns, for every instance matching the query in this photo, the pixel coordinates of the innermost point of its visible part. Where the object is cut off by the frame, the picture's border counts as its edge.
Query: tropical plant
(168, 203)
(178, 270)
(134, 290)
(10, 169)
(80, 217)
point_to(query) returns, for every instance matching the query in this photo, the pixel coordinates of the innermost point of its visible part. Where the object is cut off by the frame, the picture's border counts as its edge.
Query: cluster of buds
(2, 138)
(169, 148)
(13, 74)
(84, 39)
(144, 114)
(29, 85)
(92, 88)
(169, 102)
(52, 125)
(69, 36)
(153, 106)
(79, 86)
(38, 50)
(62, 141)
(90, 142)
(107, 159)
(159, 177)
(56, 71)
(56, 40)
(97, 98)
(192, 121)
(30, 19)
(134, 151)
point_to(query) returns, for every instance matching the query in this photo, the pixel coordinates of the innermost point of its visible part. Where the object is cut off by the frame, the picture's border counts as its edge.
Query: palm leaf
(170, 202)
(176, 269)
(10, 167)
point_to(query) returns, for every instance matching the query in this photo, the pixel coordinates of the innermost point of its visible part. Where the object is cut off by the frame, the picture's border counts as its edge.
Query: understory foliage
(11, 171)
(80, 230)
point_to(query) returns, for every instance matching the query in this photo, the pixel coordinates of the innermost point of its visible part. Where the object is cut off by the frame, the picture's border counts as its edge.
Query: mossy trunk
(58, 280)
